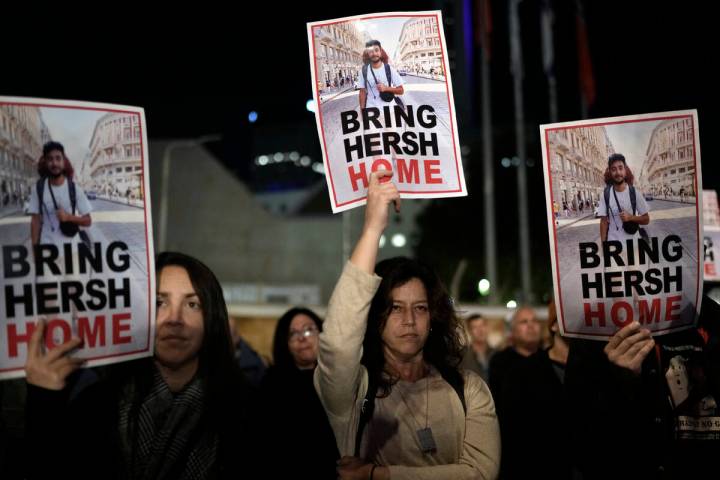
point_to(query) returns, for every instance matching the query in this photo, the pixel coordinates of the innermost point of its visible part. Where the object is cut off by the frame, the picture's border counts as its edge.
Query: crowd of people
(391, 384)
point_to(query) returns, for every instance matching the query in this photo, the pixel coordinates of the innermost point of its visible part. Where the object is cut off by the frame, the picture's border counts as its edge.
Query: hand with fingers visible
(626, 217)
(353, 468)
(50, 369)
(62, 215)
(381, 192)
(629, 347)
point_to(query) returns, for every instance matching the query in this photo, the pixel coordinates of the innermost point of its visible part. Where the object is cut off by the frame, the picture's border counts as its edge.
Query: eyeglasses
(307, 332)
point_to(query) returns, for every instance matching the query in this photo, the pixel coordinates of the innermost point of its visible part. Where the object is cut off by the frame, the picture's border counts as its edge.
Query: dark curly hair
(618, 157)
(443, 348)
(383, 56)
(42, 167)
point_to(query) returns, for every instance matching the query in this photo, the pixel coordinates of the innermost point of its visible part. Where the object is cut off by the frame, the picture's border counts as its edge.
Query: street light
(484, 287)
(164, 179)
(398, 240)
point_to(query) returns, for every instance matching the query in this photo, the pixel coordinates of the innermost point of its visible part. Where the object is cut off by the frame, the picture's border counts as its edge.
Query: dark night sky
(202, 69)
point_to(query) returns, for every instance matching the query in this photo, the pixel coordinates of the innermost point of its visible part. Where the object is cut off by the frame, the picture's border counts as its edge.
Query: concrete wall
(214, 216)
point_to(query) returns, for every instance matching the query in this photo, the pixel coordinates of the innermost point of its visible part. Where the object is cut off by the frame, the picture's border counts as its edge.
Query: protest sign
(75, 230)
(625, 222)
(384, 100)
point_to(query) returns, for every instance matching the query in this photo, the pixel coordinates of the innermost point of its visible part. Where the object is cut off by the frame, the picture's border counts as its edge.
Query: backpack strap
(456, 380)
(376, 83)
(388, 75)
(73, 195)
(71, 190)
(617, 202)
(633, 200)
(606, 194)
(40, 189)
(52, 195)
(368, 407)
(364, 74)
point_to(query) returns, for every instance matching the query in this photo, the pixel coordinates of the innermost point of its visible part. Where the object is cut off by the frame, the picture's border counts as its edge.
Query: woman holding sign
(387, 371)
(183, 414)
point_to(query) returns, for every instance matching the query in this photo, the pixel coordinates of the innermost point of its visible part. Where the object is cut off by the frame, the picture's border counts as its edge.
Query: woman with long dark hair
(302, 433)
(184, 413)
(295, 344)
(388, 371)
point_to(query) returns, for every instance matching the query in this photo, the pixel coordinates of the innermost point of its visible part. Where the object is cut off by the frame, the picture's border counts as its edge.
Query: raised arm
(381, 193)
(340, 380)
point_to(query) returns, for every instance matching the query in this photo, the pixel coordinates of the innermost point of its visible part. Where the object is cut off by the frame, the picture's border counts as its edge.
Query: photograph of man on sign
(380, 83)
(622, 205)
(78, 250)
(384, 102)
(621, 262)
(58, 208)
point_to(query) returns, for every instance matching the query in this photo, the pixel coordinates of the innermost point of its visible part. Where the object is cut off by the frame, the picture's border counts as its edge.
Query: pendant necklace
(424, 435)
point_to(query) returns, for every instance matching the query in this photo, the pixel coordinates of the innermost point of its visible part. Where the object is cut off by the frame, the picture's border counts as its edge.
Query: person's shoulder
(472, 380)
(38, 188)
(475, 388)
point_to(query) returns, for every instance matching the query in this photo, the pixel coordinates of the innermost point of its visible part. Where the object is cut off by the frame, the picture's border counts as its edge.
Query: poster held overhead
(384, 100)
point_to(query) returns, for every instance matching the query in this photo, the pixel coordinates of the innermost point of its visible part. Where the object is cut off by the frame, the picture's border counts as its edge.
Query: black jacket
(300, 430)
(79, 436)
(622, 419)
